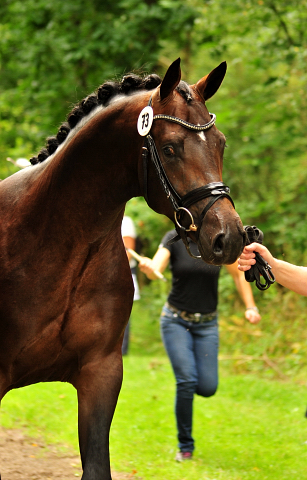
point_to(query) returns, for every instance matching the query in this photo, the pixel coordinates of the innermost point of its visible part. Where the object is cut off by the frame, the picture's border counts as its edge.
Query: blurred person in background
(129, 239)
(189, 327)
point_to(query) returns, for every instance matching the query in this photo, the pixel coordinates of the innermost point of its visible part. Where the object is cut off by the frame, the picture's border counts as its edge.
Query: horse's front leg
(98, 385)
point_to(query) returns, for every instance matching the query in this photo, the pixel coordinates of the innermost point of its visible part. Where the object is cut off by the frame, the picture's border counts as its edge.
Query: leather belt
(192, 317)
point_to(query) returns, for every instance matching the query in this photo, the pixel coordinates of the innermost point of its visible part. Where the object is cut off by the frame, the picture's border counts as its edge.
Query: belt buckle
(185, 316)
(197, 317)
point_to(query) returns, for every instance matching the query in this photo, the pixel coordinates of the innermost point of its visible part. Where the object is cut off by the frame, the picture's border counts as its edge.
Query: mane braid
(104, 94)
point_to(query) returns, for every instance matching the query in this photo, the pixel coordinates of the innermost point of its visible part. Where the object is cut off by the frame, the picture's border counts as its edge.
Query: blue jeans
(192, 349)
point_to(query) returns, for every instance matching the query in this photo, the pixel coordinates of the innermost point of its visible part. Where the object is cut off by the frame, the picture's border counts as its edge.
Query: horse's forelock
(184, 89)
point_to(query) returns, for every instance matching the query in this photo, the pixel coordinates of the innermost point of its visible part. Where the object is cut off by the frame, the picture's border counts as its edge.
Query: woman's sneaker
(182, 456)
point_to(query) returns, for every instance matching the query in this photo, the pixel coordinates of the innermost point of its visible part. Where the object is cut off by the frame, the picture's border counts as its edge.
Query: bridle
(214, 190)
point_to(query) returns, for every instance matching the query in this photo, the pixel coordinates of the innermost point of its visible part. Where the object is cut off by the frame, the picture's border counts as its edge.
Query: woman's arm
(158, 263)
(245, 292)
(288, 275)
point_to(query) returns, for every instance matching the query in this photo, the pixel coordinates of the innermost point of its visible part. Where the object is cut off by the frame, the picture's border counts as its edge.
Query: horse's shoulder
(19, 181)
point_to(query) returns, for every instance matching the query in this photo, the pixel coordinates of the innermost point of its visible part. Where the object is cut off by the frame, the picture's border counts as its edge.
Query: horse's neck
(95, 173)
(82, 190)
(103, 159)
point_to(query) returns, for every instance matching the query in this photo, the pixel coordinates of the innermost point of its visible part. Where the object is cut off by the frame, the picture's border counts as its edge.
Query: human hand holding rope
(256, 260)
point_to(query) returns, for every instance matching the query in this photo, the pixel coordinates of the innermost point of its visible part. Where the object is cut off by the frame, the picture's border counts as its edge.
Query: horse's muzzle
(224, 245)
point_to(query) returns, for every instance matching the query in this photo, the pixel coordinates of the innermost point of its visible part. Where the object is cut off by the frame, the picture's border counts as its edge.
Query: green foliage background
(53, 53)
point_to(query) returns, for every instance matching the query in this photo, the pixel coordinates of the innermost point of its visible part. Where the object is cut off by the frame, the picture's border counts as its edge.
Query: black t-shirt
(194, 282)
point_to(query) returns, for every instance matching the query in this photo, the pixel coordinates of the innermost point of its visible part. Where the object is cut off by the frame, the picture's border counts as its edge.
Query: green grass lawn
(253, 428)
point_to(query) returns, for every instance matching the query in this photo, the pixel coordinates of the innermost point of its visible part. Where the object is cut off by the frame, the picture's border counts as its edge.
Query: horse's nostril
(218, 245)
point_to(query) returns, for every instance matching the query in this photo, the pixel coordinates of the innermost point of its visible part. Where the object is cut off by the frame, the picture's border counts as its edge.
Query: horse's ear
(171, 79)
(207, 86)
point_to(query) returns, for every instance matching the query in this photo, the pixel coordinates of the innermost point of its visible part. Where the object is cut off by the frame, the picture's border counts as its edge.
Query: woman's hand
(252, 315)
(247, 258)
(153, 268)
(146, 266)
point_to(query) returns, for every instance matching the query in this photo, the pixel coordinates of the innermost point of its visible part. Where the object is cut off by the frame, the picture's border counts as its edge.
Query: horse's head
(187, 151)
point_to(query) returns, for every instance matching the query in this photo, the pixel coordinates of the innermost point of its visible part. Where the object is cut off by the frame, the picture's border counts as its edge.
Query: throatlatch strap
(261, 267)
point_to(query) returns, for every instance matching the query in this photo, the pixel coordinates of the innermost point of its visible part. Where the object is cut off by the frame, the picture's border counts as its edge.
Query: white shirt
(128, 230)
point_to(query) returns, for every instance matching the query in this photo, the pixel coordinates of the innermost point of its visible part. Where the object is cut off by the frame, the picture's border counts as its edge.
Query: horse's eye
(169, 151)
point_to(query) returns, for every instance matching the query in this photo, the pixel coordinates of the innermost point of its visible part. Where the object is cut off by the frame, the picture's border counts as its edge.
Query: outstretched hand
(247, 258)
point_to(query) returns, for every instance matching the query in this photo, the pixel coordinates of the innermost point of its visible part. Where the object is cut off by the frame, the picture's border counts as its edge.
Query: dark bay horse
(65, 284)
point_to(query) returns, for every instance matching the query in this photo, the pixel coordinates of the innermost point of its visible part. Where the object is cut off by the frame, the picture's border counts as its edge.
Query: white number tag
(145, 121)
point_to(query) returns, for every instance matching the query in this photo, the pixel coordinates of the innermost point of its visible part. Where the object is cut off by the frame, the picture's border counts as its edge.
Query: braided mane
(103, 95)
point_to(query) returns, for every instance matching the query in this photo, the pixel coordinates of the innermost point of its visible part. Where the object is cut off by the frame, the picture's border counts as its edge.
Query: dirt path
(21, 458)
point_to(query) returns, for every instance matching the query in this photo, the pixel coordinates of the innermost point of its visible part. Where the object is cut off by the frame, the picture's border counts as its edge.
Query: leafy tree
(261, 109)
(54, 53)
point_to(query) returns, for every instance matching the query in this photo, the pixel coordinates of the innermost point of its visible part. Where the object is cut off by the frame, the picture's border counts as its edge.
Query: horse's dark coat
(65, 284)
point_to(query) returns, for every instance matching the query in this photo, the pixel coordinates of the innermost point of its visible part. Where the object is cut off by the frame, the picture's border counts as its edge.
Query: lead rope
(261, 267)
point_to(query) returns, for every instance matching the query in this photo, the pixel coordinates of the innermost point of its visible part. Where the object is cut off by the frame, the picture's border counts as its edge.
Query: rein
(261, 267)
(215, 190)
